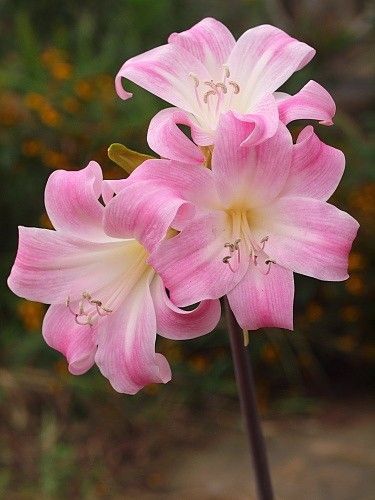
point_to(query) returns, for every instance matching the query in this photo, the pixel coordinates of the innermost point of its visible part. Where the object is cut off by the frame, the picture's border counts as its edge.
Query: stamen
(233, 247)
(82, 317)
(236, 87)
(207, 95)
(195, 78)
(222, 87)
(263, 241)
(226, 71)
(87, 320)
(245, 337)
(211, 84)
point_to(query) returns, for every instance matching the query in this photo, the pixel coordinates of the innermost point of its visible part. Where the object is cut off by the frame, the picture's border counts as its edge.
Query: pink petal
(166, 72)
(261, 301)
(209, 41)
(159, 194)
(126, 344)
(72, 202)
(167, 140)
(75, 342)
(311, 237)
(111, 187)
(263, 59)
(178, 324)
(191, 263)
(144, 212)
(51, 267)
(312, 102)
(316, 168)
(255, 174)
(264, 119)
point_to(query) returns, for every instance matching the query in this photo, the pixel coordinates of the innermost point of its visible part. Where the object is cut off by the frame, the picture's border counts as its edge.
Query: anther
(207, 95)
(195, 78)
(226, 71)
(222, 87)
(236, 87)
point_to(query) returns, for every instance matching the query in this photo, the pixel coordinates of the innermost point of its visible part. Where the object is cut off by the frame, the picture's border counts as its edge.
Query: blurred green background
(58, 109)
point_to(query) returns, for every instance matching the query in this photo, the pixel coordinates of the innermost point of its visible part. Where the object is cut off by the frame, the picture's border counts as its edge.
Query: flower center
(126, 269)
(214, 97)
(246, 246)
(84, 316)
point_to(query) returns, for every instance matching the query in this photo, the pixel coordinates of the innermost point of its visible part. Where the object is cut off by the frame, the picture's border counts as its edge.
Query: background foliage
(58, 109)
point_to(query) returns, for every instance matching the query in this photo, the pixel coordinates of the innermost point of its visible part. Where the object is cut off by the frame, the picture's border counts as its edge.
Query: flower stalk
(246, 390)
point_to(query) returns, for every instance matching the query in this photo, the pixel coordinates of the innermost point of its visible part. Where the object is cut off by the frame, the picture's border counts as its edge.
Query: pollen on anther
(236, 87)
(195, 78)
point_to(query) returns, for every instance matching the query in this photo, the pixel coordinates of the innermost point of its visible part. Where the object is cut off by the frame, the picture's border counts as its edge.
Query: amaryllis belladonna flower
(260, 214)
(107, 301)
(204, 72)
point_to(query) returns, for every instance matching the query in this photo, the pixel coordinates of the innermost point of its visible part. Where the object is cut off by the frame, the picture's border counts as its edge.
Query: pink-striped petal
(166, 72)
(263, 59)
(312, 102)
(159, 194)
(209, 41)
(167, 139)
(264, 119)
(51, 267)
(126, 343)
(76, 342)
(191, 263)
(261, 300)
(179, 324)
(72, 202)
(311, 237)
(111, 187)
(316, 168)
(254, 175)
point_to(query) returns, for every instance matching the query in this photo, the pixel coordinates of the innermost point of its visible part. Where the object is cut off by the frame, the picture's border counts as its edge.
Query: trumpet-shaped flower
(204, 72)
(256, 217)
(107, 302)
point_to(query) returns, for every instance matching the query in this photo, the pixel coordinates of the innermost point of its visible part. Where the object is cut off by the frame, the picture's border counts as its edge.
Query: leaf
(126, 158)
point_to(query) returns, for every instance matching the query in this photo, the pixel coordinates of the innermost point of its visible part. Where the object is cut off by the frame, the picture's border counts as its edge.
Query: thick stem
(246, 390)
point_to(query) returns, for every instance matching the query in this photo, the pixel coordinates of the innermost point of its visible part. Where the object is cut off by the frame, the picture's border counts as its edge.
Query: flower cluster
(234, 210)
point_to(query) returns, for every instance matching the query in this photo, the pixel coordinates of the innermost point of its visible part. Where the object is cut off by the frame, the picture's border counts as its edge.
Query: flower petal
(166, 72)
(311, 237)
(50, 267)
(111, 187)
(263, 59)
(264, 118)
(178, 324)
(159, 194)
(209, 41)
(261, 301)
(191, 263)
(72, 202)
(75, 342)
(312, 102)
(316, 168)
(126, 343)
(255, 174)
(167, 140)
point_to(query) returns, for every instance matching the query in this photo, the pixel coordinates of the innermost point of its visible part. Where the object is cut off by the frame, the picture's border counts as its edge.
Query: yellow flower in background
(314, 312)
(31, 314)
(355, 285)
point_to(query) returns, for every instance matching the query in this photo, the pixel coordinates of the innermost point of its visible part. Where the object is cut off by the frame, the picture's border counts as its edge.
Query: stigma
(88, 309)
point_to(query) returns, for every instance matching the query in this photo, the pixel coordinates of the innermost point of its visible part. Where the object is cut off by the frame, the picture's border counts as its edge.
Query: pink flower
(107, 301)
(258, 216)
(205, 73)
